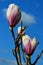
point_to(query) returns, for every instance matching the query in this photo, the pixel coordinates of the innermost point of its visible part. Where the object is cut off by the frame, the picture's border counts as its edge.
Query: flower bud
(19, 30)
(13, 14)
(29, 44)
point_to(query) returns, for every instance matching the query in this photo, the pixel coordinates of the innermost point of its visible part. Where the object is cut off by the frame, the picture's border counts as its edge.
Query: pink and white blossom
(29, 44)
(13, 14)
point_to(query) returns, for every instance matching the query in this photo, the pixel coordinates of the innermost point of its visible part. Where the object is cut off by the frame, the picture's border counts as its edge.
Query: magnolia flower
(29, 44)
(19, 30)
(13, 14)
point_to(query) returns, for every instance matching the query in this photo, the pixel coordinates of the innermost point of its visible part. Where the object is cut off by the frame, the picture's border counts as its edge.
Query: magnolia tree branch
(14, 51)
(11, 29)
(38, 57)
(29, 59)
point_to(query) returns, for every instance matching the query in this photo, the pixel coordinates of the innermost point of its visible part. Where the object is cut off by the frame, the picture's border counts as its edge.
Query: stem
(16, 56)
(19, 56)
(38, 58)
(21, 32)
(28, 60)
(21, 38)
(11, 29)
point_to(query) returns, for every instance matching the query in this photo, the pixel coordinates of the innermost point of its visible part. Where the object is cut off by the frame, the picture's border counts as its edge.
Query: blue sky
(32, 10)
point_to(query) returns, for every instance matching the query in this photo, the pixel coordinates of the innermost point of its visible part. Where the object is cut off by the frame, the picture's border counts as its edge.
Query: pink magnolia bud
(13, 14)
(19, 30)
(29, 44)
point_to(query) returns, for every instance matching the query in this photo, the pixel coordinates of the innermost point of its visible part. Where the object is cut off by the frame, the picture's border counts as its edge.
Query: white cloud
(4, 61)
(4, 11)
(28, 18)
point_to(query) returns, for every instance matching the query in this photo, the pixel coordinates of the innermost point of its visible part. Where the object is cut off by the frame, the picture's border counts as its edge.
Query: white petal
(19, 29)
(26, 40)
(15, 8)
(34, 42)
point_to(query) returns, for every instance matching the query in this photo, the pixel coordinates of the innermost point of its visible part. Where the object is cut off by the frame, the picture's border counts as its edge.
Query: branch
(16, 57)
(19, 56)
(28, 60)
(11, 29)
(14, 51)
(38, 58)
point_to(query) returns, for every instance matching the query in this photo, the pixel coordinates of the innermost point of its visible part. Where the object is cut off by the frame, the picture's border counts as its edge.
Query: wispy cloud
(4, 61)
(4, 11)
(26, 18)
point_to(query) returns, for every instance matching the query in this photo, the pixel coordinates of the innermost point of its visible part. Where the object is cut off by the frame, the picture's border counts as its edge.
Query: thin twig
(21, 37)
(16, 56)
(11, 29)
(38, 58)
